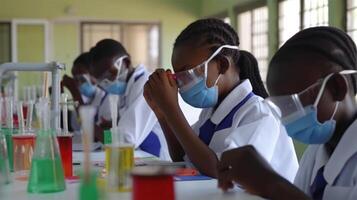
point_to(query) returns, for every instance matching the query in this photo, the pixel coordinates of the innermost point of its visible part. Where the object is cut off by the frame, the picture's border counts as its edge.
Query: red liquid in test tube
(65, 146)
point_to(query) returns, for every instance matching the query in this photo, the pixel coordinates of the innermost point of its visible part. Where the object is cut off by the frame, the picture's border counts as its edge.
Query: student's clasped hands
(161, 93)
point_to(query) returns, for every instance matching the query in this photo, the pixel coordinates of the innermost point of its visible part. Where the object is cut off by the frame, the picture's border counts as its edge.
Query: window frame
(250, 8)
(121, 23)
(10, 37)
(347, 9)
(302, 16)
(239, 9)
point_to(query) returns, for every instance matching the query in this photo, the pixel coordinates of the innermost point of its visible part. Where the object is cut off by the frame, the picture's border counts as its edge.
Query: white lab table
(184, 190)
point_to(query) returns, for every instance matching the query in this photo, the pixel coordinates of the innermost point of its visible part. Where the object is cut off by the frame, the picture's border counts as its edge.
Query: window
(293, 18)
(289, 19)
(5, 42)
(315, 13)
(141, 40)
(352, 19)
(253, 34)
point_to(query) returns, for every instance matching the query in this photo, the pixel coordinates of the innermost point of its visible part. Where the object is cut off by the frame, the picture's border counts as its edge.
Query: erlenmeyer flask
(46, 173)
(9, 131)
(4, 162)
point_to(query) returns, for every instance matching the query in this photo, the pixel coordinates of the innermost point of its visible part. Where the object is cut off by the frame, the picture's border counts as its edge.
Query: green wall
(174, 15)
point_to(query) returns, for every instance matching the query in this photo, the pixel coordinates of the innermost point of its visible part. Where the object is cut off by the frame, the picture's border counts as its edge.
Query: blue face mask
(307, 129)
(200, 96)
(116, 87)
(192, 83)
(300, 121)
(304, 126)
(87, 89)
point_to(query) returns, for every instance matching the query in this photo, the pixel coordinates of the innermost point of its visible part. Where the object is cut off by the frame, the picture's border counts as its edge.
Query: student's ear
(338, 87)
(223, 64)
(127, 62)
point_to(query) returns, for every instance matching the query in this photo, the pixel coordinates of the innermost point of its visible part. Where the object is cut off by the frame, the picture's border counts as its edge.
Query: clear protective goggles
(121, 75)
(293, 106)
(186, 79)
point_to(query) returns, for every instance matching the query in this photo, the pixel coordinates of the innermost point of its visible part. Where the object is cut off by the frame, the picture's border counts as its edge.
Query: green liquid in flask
(46, 176)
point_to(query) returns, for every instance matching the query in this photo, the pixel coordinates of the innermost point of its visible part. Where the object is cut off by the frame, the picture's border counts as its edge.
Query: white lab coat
(340, 171)
(253, 123)
(136, 119)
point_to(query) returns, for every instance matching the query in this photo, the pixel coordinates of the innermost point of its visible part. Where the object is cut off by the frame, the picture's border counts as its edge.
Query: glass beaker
(23, 149)
(121, 163)
(46, 173)
(65, 146)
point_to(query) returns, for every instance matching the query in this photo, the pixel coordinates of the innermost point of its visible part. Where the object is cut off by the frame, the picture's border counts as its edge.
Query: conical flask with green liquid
(46, 173)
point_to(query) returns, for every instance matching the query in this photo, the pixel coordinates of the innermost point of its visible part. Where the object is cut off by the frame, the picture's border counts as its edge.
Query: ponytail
(248, 69)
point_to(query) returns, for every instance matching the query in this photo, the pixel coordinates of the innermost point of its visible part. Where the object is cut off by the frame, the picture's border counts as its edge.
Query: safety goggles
(121, 74)
(118, 64)
(186, 79)
(294, 106)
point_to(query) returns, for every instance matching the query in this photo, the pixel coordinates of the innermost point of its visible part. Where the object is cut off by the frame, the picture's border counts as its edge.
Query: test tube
(65, 113)
(113, 100)
(20, 115)
(9, 113)
(29, 116)
(87, 117)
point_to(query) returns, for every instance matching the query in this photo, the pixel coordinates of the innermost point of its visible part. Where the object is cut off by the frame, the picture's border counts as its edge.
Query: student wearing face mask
(115, 74)
(84, 91)
(212, 73)
(312, 80)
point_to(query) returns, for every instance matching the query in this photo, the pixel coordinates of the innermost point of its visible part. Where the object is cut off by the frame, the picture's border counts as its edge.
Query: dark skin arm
(175, 149)
(246, 167)
(163, 91)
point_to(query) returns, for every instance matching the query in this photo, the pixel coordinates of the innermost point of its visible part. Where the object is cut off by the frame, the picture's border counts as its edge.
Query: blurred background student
(115, 74)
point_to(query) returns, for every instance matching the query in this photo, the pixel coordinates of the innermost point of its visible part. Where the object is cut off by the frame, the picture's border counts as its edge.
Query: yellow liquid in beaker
(125, 153)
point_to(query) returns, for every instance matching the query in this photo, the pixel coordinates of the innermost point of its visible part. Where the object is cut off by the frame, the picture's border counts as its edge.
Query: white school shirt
(340, 169)
(252, 124)
(137, 121)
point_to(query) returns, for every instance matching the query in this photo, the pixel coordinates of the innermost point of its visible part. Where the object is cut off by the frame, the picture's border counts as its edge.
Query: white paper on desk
(94, 147)
(95, 157)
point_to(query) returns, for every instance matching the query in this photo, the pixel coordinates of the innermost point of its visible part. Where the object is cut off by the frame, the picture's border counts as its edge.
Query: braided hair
(217, 33)
(104, 49)
(83, 59)
(334, 45)
(107, 48)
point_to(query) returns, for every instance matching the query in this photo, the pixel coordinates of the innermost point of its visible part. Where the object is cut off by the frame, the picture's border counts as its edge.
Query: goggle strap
(321, 91)
(215, 54)
(344, 72)
(335, 110)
